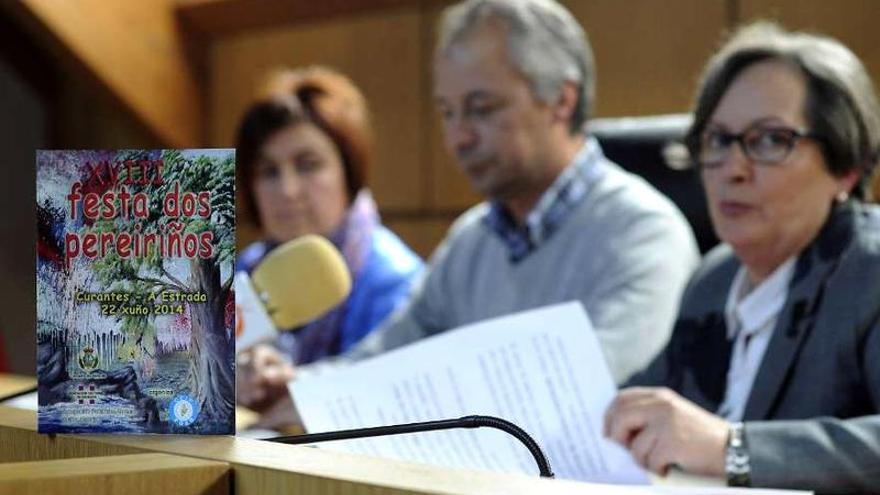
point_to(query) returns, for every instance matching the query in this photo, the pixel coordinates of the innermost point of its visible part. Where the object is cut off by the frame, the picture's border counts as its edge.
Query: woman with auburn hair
(304, 150)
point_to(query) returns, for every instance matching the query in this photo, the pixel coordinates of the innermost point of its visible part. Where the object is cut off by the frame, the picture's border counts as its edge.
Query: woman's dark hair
(315, 95)
(841, 106)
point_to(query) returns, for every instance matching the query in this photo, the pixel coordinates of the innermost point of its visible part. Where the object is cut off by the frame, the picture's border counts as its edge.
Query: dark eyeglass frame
(752, 134)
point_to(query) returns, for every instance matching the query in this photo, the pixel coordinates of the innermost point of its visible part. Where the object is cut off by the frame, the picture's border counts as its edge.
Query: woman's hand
(661, 429)
(261, 377)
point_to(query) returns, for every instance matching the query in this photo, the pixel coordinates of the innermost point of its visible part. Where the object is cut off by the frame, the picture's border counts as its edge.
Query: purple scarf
(322, 337)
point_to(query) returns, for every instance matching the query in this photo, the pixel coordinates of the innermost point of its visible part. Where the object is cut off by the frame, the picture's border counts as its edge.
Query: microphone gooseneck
(15, 395)
(445, 424)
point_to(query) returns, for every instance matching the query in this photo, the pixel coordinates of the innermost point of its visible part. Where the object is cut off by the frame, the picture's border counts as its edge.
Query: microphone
(294, 284)
(445, 424)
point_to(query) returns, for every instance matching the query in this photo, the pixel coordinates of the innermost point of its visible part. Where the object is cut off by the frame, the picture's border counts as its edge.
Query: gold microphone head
(301, 280)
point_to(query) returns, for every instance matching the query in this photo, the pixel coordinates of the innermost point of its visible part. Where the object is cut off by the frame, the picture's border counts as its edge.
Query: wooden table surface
(11, 384)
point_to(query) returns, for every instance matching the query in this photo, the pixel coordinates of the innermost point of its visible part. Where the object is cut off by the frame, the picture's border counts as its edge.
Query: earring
(842, 196)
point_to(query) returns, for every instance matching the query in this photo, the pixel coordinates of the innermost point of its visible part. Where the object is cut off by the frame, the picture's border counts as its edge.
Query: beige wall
(648, 53)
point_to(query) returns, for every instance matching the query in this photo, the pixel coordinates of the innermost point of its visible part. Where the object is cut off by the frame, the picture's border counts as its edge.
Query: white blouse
(751, 314)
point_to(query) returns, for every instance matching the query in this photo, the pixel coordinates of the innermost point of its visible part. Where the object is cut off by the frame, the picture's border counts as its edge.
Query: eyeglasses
(761, 144)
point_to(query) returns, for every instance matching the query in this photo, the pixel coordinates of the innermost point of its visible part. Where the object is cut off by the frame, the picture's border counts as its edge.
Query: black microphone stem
(445, 424)
(18, 394)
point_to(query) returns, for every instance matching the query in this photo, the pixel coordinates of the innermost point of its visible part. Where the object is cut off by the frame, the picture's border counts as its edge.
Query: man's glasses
(761, 144)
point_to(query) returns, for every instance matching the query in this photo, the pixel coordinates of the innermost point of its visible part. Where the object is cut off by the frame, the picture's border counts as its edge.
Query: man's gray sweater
(625, 252)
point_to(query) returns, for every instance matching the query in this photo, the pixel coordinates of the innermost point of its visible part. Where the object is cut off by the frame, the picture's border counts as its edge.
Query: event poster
(135, 310)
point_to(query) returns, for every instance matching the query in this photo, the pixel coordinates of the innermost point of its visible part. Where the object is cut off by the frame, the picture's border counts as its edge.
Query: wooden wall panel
(379, 51)
(218, 18)
(422, 234)
(648, 53)
(853, 22)
(137, 52)
(87, 118)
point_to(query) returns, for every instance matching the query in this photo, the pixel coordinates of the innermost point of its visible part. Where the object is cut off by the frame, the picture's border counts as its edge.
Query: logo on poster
(183, 410)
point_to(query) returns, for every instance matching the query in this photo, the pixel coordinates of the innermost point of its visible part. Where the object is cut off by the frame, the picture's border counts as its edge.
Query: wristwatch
(736, 461)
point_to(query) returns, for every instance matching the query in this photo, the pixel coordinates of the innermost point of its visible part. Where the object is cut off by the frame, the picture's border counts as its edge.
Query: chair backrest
(653, 148)
(4, 363)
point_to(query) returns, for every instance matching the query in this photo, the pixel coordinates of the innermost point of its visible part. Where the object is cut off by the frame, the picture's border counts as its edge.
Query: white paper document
(542, 370)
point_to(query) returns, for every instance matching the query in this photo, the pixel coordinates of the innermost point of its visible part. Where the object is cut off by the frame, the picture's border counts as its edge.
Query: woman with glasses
(772, 376)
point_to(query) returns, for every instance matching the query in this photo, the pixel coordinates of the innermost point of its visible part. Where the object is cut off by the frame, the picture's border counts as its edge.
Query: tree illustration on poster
(211, 375)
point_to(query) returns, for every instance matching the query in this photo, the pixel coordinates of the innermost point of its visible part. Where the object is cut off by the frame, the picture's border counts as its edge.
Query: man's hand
(660, 429)
(261, 377)
(282, 417)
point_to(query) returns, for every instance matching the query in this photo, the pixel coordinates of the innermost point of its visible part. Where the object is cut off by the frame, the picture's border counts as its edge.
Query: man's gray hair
(544, 42)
